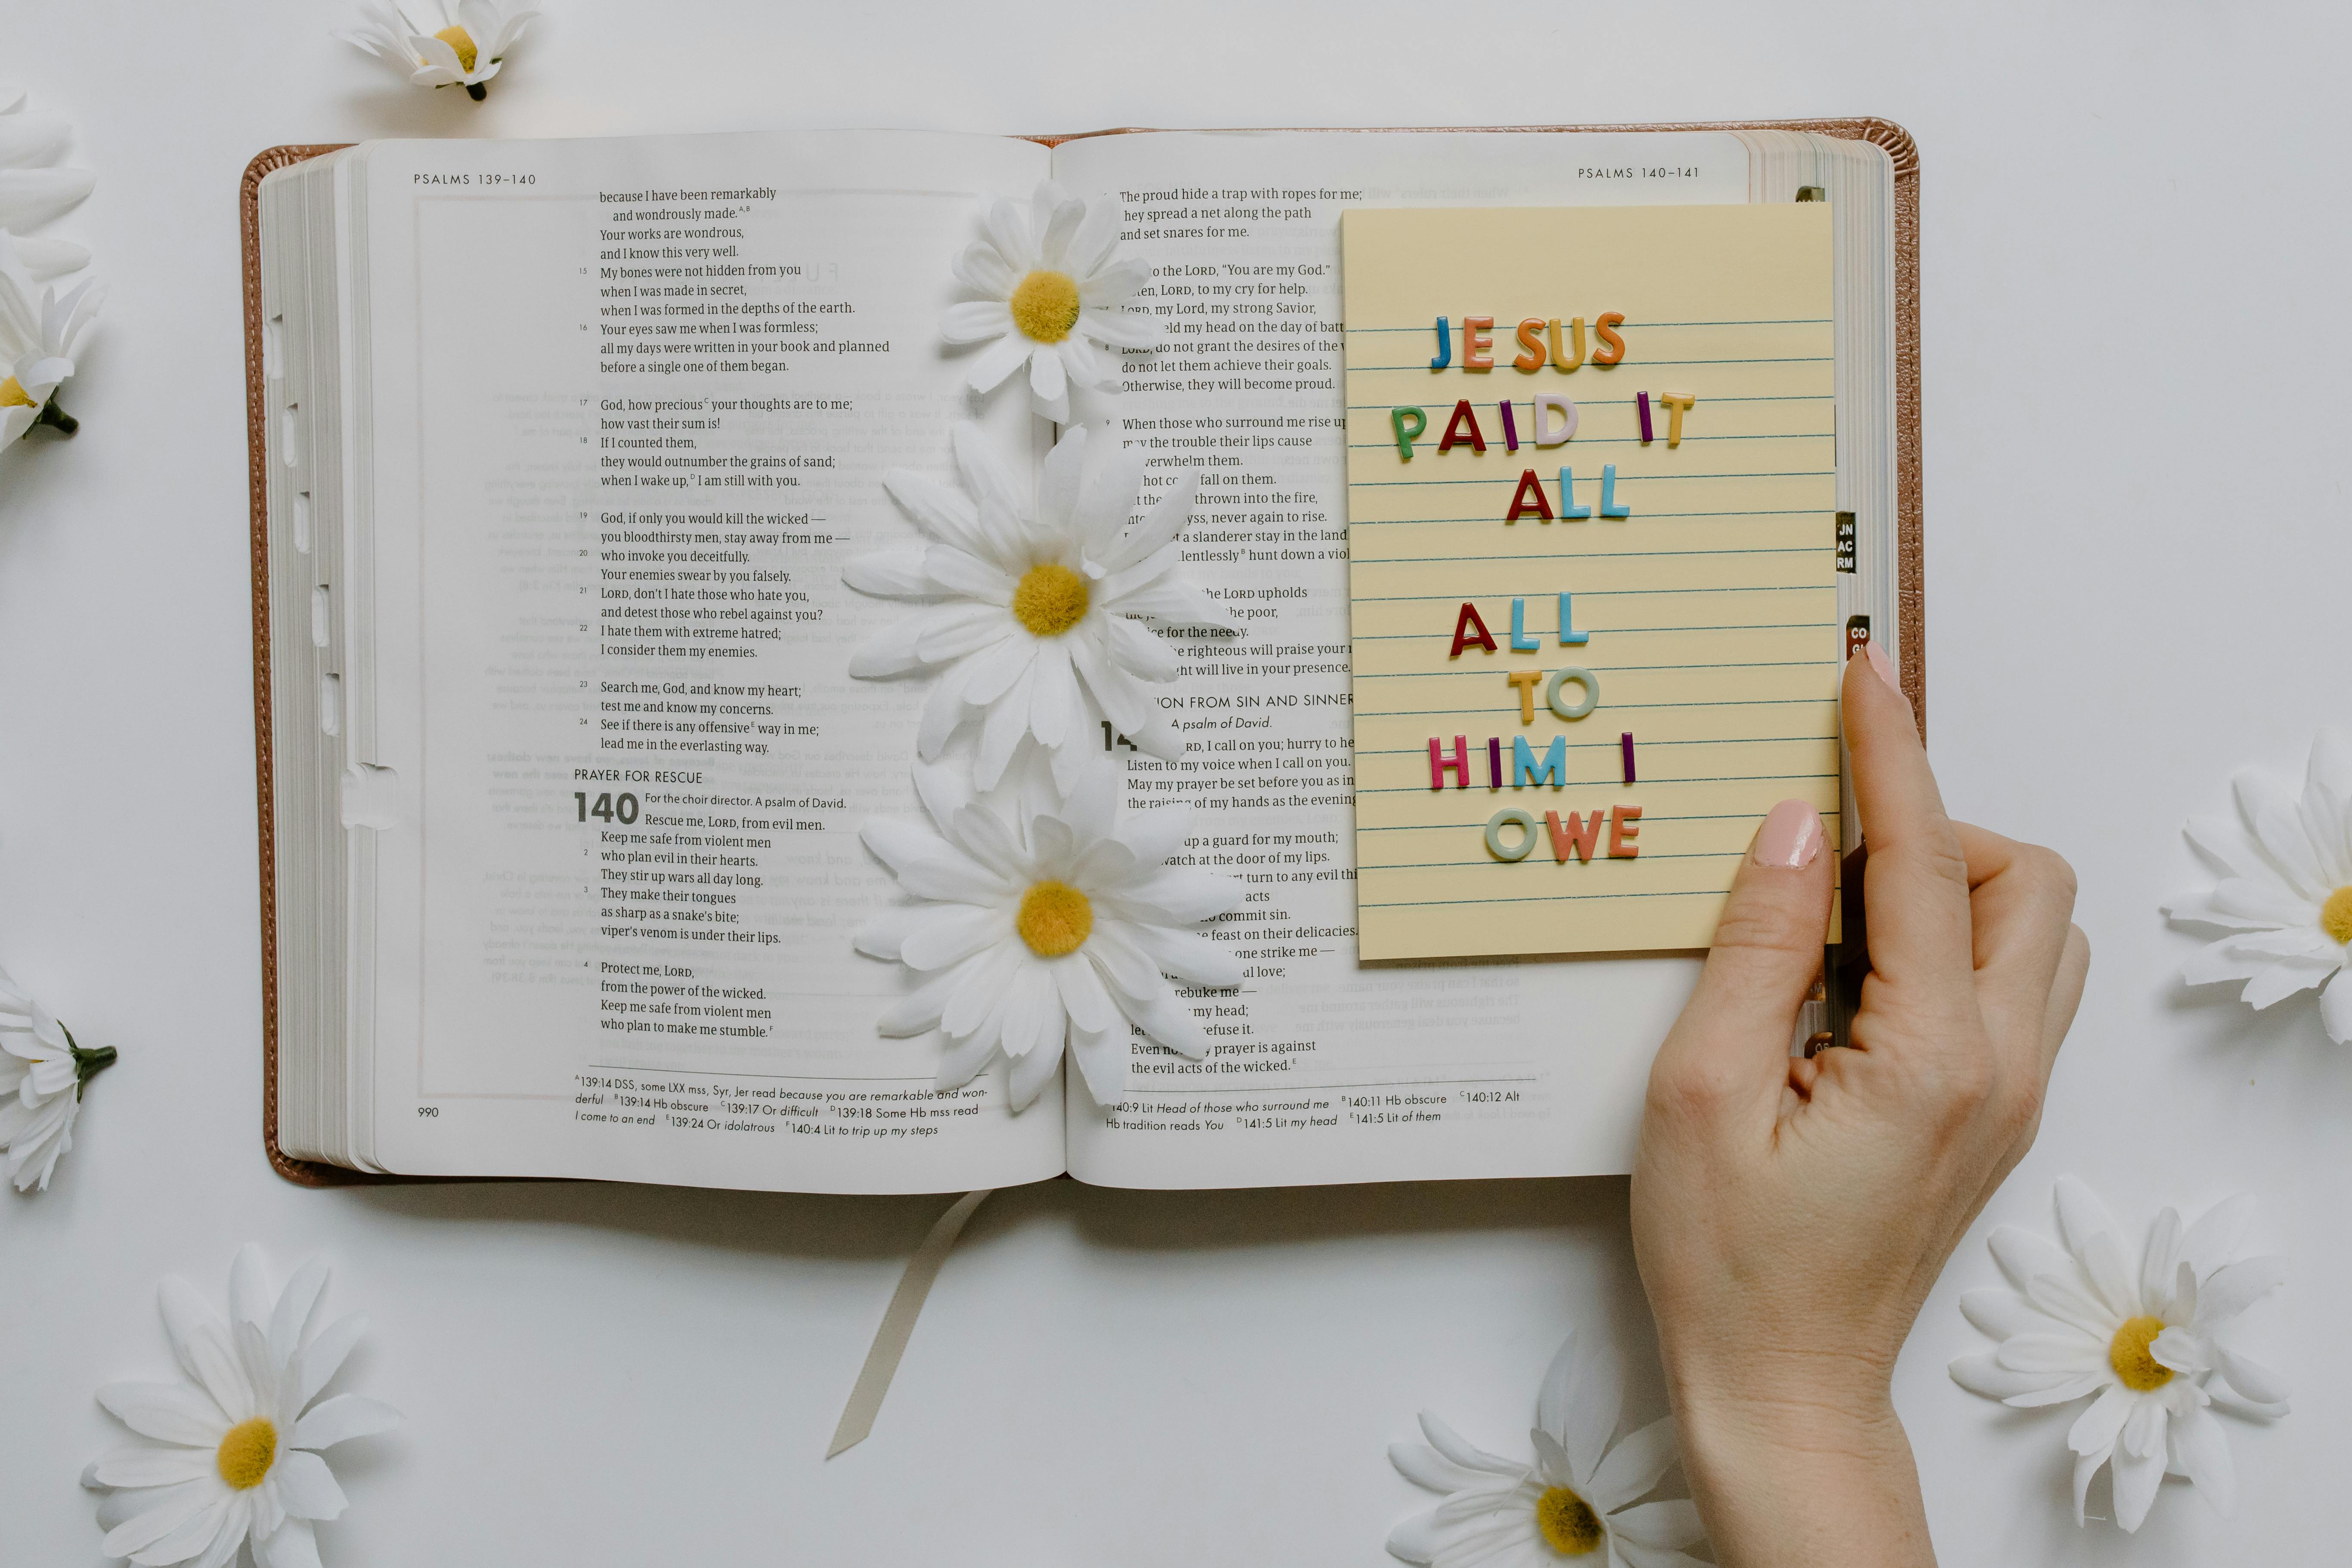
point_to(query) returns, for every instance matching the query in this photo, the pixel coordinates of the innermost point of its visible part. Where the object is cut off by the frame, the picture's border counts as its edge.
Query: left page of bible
(631, 405)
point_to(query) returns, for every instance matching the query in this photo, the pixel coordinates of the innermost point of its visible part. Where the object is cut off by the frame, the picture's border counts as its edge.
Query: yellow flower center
(246, 1452)
(462, 41)
(1046, 306)
(1568, 1522)
(2131, 1358)
(2335, 915)
(1054, 919)
(1050, 600)
(13, 396)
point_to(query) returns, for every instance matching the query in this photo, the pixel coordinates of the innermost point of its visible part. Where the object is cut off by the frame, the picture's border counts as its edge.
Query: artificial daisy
(37, 333)
(33, 189)
(42, 1076)
(1046, 920)
(1035, 612)
(475, 39)
(2285, 895)
(234, 1457)
(1578, 1499)
(2083, 1322)
(1053, 297)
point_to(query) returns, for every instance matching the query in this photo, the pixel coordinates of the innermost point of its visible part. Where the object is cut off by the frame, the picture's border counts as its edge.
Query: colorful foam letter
(1526, 680)
(1641, 408)
(1477, 347)
(1528, 498)
(1523, 762)
(1622, 832)
(1569, 635)
(1570, 361)
(1459, 761)
(1511, 427)
(1568, 511)
(1581, 837)
(1625, 748)
(1493, 762)
(1547, 433)
(1521, 641)
(1610, 505)
(1407, 424)
(1531, 345)
(1616, 349)
(1464, 634)
(1462, 416)
(1444, 346)
(1677, 405)
(1584, 677)
(1510, 817)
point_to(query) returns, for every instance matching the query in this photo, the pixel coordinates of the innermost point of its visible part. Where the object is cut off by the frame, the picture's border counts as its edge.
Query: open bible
(560, 450)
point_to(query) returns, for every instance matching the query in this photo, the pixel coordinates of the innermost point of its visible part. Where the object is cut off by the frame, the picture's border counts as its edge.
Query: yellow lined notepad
(1707, 611)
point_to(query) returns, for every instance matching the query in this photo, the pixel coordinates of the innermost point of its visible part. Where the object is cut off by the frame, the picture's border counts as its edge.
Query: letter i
(1642, 407)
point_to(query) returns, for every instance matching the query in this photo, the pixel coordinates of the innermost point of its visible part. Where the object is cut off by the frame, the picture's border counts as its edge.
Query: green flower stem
(57, 418)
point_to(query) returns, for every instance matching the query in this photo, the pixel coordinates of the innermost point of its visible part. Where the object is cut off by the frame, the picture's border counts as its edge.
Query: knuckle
(2049, 874)
(1769, 925)
(1695, 1090)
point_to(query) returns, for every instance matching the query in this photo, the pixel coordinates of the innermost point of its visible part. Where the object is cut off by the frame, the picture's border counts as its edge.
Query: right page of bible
(1591, 470)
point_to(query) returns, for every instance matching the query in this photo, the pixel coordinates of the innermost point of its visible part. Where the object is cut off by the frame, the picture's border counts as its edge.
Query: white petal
(1139, 652)
(2335, 1008)
(1049, 386)
(2059, 1352)
(1633, 1466)
(2204, 1452)
(30, 197)
(324, 1357)
(289, 1320)
(168, 1411)
(187, 1317)
(1104, 1060)
(1666, 1526)
(1121, 329)
(249, 1296)
(1985, 1377)
(2233, 1288)
(340, 1419)
(890, 573)
(2095, 1430)
(991, 366)
(1160, 525)
(306, 1486)
(292, 1544)
(193, 1511)
(1415, 1540)
(1187, 955)
(2001, 1314)
(1180, 894)
(152, 1465)
(1425, 1465)
(978, 267)
(1032, 1072)
(2137, 1476)
(951, 933)
(976, 320)
(2249, 1377)
(1450, 1446)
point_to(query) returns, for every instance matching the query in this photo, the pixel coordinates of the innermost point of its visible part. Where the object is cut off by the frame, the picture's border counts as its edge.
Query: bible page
(633, 401)
(1322, 1068)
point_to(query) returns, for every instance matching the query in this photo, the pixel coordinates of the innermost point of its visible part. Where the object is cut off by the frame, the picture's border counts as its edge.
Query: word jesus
(1538, 343)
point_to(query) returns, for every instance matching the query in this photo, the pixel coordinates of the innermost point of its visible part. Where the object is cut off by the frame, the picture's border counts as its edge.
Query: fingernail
(1791, 836)
(1883, 664)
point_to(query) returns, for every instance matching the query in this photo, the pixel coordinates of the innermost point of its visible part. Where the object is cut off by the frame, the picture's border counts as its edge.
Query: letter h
(1459, 761)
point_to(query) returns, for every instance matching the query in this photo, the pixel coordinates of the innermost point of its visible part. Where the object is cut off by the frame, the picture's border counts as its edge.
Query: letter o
(1584, 677)
(1506, 818)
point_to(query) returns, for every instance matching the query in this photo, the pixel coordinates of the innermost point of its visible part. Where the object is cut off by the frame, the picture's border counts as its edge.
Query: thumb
(1733, 1036)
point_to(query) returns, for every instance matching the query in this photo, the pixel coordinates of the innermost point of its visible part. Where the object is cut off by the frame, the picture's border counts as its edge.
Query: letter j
(1444, 346)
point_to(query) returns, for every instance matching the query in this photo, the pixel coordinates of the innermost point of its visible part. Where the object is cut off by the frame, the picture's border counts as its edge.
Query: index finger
(1916, 883)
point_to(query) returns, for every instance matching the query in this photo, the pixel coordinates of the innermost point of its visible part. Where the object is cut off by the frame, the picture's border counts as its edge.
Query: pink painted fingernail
(1791, 836)
(1883, 664)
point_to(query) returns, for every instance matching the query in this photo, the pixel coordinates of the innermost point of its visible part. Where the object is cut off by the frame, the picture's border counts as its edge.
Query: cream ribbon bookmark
(898, 1323)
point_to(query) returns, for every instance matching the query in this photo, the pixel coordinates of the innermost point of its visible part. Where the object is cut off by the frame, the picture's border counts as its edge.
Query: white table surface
(2132, 282)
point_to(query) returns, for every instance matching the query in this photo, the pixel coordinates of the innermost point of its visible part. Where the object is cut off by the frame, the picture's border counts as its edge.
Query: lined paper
(1711, 610)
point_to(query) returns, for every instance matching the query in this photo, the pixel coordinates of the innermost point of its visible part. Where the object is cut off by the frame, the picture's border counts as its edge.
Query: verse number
(429, 1110)
(621, 808)
(1111, 735)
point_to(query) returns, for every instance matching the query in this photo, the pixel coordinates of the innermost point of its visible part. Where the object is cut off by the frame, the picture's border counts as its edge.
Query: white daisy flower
(1032, 611)
(2081, 1321)
(2285, 897)
(1054, 299)
(466, 50)
(234, 1457)
(1046, 920)
(42, 1075)
(33, 189)
(1578, 1499)
(37, 333)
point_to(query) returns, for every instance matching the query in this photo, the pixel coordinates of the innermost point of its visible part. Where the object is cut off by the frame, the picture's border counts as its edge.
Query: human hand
(1791, 1215)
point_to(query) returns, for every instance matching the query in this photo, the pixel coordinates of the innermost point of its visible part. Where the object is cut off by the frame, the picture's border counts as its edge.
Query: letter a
(1468, 629)
(1529, 486)
(1462, 416)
